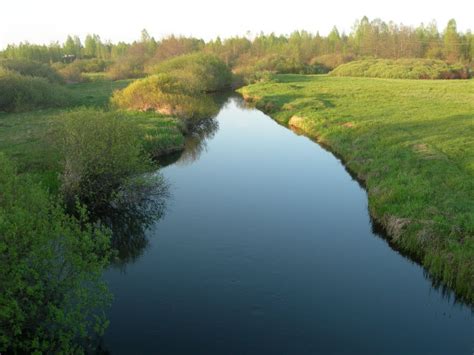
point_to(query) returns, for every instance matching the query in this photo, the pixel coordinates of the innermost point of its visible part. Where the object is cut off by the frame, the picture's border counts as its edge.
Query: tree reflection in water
(200, 130)
(196, 140)
(142, 202)
(138, 205)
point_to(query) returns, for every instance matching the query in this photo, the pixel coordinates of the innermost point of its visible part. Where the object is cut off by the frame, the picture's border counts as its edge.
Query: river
(267, 247)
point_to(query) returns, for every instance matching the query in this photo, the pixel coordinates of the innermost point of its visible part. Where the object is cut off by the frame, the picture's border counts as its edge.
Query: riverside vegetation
(79, 138)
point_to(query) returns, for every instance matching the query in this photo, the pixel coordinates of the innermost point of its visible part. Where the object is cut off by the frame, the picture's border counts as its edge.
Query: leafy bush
(31, 68)
(166, 94)
(126, 68)
(199, 71)
(262, 69)
(100, 152)
(78, 70)
(178, 88)
(91, 65)
(21, 93)
(69, 72)
(250, 75)
(51, 292)
(329, 62)
(402, 69)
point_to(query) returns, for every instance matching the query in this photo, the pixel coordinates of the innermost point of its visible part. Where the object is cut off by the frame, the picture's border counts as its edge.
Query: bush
(51, 291)
(21, 93)
(329, 62)
(199, 71)
(100, 152)
(178, 88)
(74, 72)
(126, 68)
(91, 65)
(262, 69)
(166, 94)
(402, 69)
(250, 75)
(31, 68)
(69, 73)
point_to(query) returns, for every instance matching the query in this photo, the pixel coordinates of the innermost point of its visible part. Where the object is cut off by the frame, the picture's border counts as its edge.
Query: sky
(45, 21)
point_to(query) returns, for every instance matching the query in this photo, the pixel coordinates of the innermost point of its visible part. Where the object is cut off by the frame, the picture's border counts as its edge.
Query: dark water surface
(267, 247)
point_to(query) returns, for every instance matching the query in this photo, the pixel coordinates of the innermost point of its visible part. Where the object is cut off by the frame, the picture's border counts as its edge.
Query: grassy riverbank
(28, 137)
(411, 143)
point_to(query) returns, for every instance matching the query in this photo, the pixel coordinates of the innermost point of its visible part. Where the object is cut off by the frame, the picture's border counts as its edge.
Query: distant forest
(299, 52)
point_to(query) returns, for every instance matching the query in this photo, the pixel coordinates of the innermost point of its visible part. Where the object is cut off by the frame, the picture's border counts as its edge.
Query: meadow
(410, 142)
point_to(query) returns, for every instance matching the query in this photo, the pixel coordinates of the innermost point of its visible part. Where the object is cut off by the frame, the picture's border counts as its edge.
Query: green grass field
(412, 144)
(26, 137)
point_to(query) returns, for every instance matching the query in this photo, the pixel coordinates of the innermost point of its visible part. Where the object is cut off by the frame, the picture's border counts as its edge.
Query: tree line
(374, 38)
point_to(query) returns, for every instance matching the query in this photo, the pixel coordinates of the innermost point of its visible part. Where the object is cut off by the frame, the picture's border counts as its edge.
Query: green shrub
(200, 72)
(22, 93)
(178, 88)
(166, 94)
(31, 68)
(51, 291)
(328, 62)
(91, 65)
(82, 70)
(402, 69)
(100, 152)
(250, 75)
(126, 68)
(262, 69)
(70, 73)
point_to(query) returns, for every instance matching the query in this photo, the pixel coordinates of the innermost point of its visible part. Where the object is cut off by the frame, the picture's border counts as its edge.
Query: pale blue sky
(52, 20)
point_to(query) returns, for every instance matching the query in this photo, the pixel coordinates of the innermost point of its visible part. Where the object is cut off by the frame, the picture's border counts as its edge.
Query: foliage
(28, 137)
(199, 72)
(69, 72)
(99, 152)
(330, 61)
(368, 38)
(31, 68)
(51, 293)
(128, 67)
(131, 65)
(22, 93)
(410, 142)
(173, 46)
(166, 94)
(178, 88)
(77, 71)
(402, 69)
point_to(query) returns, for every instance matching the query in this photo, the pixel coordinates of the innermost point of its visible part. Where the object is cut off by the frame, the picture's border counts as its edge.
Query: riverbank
(411, 144)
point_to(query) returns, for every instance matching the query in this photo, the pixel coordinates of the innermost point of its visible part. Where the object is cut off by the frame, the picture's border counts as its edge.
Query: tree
(92, 46)
(452, 45)
(73, 46)
(51, 289)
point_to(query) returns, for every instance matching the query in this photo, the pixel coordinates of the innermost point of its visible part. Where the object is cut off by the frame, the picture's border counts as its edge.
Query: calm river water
(266, 247)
